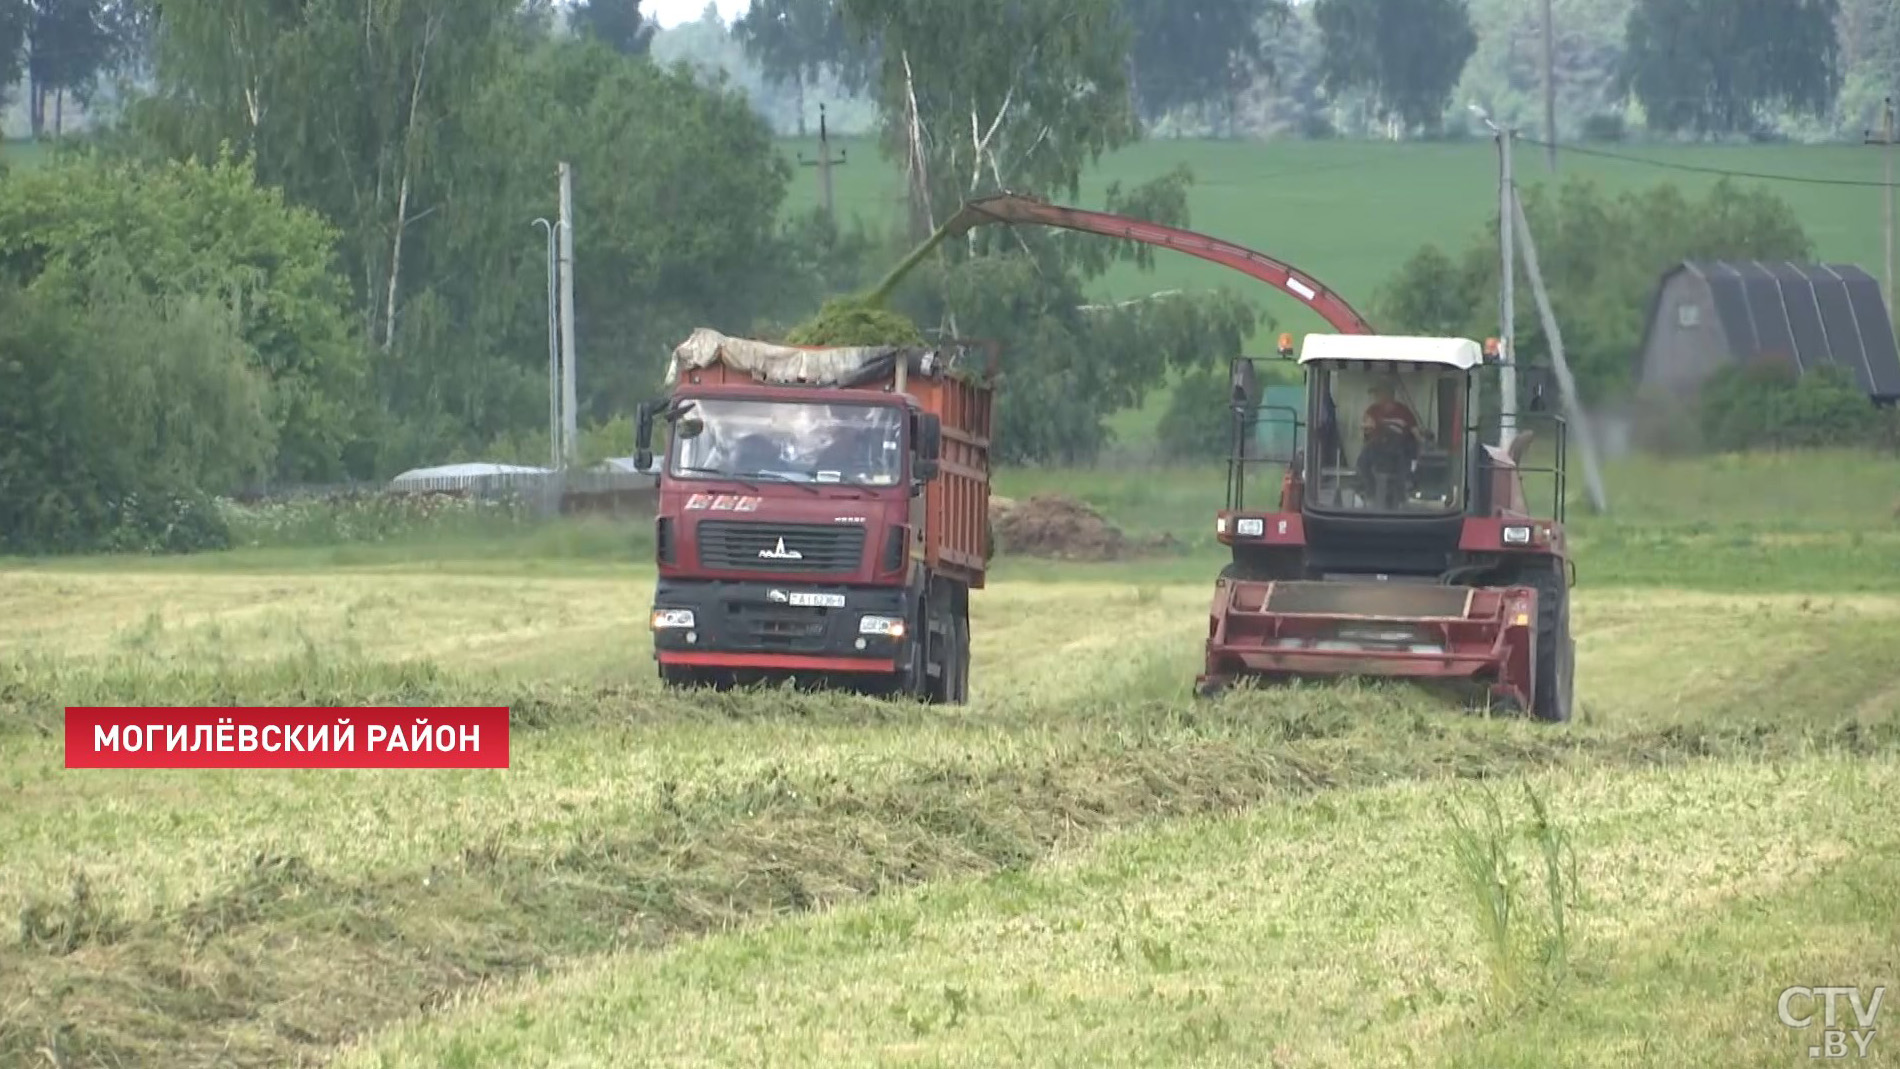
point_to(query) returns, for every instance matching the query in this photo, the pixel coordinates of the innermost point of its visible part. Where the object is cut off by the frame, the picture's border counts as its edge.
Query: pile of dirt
(1061, 528)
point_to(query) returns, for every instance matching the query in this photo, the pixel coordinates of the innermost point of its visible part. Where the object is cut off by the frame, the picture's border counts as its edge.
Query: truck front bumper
(811, 627)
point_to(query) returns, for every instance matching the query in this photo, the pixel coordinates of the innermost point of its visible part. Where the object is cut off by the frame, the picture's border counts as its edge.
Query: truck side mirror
(643, 437)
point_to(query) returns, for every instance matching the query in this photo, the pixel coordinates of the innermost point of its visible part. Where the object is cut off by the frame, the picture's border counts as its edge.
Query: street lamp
(1507, 296)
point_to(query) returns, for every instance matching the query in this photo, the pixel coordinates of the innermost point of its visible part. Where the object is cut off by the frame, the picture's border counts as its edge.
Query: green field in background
(1350, 212)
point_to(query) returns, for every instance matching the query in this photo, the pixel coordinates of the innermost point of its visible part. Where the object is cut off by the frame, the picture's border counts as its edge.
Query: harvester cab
(1402, 543)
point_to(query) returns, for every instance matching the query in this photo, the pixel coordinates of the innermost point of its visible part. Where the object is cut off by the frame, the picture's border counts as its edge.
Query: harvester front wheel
(1556, 651)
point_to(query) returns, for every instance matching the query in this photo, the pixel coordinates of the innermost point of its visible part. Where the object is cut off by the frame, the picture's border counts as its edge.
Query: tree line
(1699, 67)
(305, 247)
(1411, 67)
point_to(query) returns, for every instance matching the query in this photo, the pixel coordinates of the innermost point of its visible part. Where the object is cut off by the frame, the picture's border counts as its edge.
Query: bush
(173, 523)
(1198, 423)
(1318, 127)
(1601, 255)
(118, 412)
(1768, 405)
(368, 518)
(1604, 127)
(185, 233)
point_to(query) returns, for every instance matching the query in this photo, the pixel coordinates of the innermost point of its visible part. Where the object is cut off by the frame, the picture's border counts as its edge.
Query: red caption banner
(223, 737)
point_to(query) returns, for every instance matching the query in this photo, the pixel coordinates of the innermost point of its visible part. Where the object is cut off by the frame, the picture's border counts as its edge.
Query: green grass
(1082, 866)
(23, 153)
(1321, 931)
(167, 918)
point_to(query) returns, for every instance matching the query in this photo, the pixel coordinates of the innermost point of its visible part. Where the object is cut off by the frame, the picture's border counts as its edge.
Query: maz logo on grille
(805, 548)
(779, 552)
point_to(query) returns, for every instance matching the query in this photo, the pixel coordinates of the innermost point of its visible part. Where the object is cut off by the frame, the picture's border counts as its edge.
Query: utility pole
(554, 351)
(825, 163)
(1550, 87)
(1507, 301)
(1885, 140)
(569, 420)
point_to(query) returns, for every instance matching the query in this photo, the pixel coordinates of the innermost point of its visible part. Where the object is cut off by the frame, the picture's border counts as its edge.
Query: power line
(1721, 171)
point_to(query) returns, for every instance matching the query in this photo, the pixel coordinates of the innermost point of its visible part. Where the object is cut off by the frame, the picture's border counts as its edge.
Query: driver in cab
(1392, 438)
(1387, 409)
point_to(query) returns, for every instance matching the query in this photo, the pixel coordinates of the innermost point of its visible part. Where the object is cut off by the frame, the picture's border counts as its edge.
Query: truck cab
(808, 532)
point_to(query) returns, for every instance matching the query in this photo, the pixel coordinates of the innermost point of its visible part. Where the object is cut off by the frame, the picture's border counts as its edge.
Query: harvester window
(857, 444)
(1389, 441)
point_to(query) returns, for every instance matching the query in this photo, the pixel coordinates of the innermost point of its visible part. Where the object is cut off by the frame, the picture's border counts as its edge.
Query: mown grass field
(1083, 866)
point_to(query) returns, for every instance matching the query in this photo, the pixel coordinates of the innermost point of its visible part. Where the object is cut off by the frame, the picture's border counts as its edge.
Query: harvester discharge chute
(1402, 545)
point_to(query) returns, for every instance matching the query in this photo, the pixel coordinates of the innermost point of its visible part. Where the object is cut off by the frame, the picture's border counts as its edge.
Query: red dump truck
(823, 515)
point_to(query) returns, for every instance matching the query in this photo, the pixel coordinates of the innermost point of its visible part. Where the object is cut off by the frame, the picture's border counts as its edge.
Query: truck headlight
(1517, 536)
(889, 626)
(1250, 528)
(672, 619)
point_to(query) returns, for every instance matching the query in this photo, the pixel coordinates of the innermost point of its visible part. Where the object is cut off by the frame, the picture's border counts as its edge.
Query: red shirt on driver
(1380, 411)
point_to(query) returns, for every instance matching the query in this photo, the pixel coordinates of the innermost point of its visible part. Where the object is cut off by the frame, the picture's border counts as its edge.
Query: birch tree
(1026, 95)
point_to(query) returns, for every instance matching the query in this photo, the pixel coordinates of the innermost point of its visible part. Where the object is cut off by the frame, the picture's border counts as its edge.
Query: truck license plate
(818, 601)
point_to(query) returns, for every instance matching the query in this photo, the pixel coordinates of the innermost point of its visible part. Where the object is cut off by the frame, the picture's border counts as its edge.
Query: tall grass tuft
(1527, 956)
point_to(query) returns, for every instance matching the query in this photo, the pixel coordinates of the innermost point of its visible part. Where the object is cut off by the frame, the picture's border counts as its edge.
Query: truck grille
(818, 548)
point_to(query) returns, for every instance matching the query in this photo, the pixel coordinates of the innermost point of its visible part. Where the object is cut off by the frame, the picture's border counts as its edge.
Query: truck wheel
(953, 686)
(942, 652)
(914, 680)
(1556, 652)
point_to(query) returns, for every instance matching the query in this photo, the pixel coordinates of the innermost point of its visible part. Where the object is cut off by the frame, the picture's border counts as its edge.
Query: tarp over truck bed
(791, 364)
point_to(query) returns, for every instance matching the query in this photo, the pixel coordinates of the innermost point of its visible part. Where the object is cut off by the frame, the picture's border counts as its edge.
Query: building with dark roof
(1708, 315)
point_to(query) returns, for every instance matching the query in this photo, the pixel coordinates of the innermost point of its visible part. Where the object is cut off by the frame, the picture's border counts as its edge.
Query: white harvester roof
(1461, 353)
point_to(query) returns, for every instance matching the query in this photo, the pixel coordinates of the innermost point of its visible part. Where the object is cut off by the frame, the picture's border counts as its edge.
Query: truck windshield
(1387, 441)
(861, 445)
